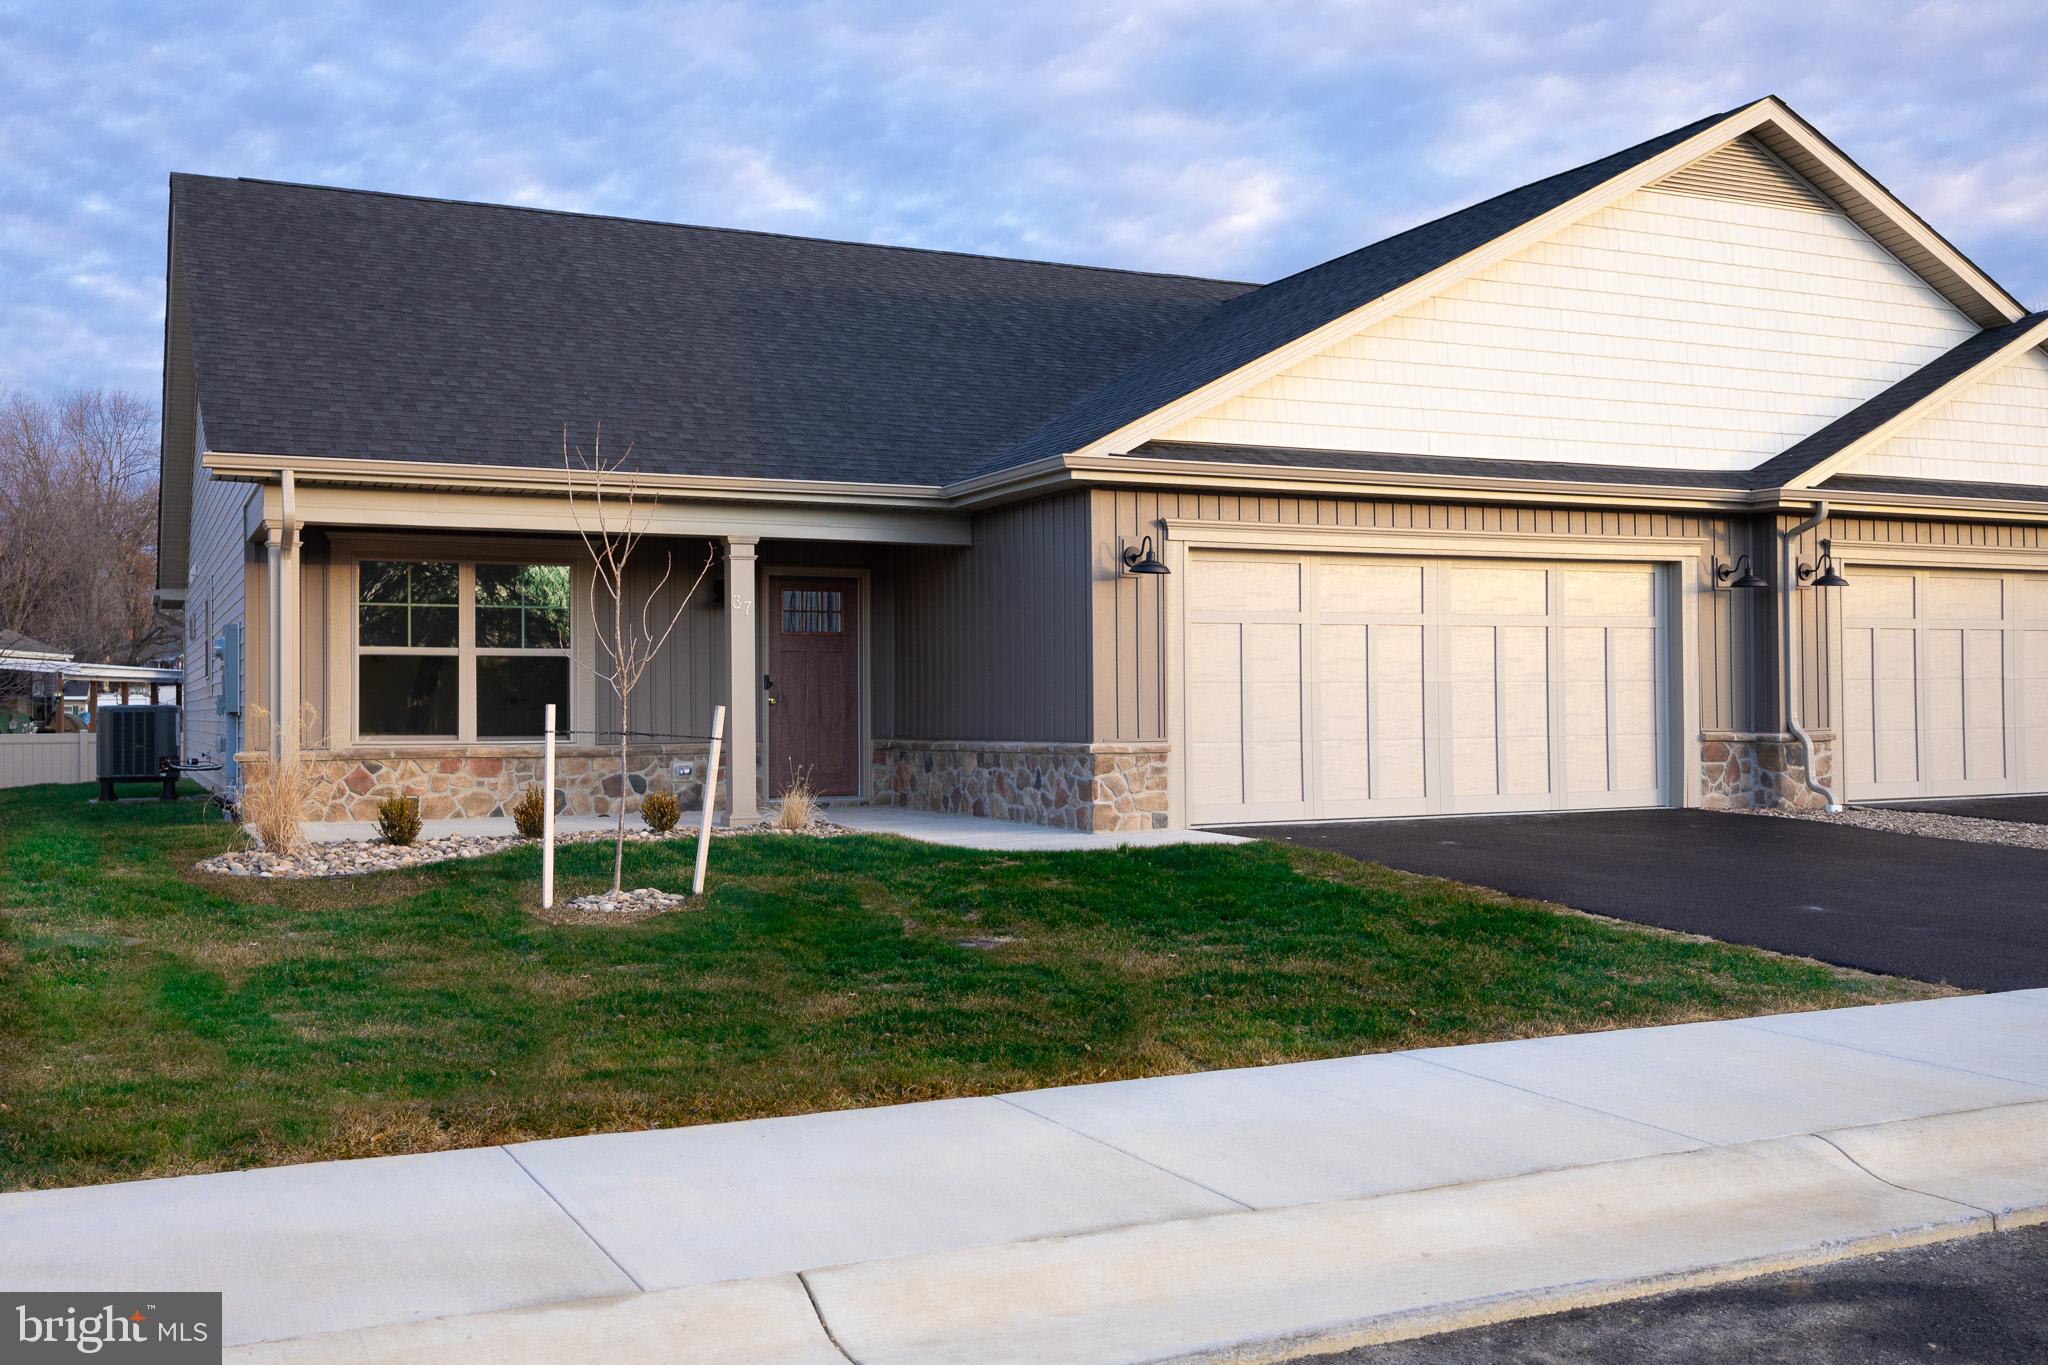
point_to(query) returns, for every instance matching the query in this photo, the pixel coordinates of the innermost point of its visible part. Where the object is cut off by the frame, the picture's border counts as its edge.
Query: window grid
(524, 609)
(811, 611)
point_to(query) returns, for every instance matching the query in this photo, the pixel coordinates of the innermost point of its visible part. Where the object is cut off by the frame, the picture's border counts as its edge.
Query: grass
(157, 1021)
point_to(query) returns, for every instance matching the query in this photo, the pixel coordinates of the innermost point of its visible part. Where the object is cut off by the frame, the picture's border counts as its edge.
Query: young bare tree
(637, 633)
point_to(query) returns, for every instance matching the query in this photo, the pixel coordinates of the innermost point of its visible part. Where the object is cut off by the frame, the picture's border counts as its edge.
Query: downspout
(1788, 636)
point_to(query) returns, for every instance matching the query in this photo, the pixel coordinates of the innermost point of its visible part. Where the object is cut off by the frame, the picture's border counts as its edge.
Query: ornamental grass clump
(661, 810)
(529, 813)
(277, 792)
(398, 820)
(799, 803)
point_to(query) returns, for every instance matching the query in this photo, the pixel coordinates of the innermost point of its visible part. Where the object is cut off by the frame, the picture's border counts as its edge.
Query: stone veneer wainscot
(1747, 771)
(1101, 788)
(455, 783)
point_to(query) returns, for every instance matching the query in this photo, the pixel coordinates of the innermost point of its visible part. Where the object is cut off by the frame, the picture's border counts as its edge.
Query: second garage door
(1945, 684)
(1335, 686)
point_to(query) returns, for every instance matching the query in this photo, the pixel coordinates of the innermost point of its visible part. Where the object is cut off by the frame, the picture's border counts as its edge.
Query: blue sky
(1238, 138)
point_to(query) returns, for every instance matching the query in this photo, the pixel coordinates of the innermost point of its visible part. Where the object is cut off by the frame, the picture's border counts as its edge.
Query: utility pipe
(1788, 636)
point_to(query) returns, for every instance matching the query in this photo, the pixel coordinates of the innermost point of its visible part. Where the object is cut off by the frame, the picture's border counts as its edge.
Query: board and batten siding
(1670, 330)
(1734, 649)
(1995, 431)
(992, 641)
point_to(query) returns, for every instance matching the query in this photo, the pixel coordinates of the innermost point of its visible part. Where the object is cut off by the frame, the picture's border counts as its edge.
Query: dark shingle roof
(360, 325)
(1261, 322)
(1933, 488)
(1874, 412)
(14, 642)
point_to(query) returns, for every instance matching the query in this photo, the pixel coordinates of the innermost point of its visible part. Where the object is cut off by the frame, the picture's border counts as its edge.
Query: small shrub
(661, 810)
(799, 802)
(398, 820)
(277, 798)
(529, 813)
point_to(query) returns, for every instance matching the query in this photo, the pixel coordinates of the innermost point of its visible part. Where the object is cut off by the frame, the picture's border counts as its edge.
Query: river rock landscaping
(354, 857)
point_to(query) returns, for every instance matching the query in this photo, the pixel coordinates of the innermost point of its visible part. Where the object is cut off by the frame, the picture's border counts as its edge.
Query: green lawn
(155, 1021)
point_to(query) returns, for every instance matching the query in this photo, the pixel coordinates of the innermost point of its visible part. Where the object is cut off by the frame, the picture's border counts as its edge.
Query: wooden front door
(813, 683)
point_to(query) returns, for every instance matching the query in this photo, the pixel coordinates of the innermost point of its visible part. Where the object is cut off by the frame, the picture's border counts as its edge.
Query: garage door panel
(1247, 585)
(1364, 587)
(1343, 707)
(1273, 719)
(1607, 592)
(1637, 684)
(1984, 705)
(1216, 713)
(1398, 688)
(1585, 708)
(1951, 598)
(1524, 746)
(1859, 759)
(2032, 747)
(1489, 590)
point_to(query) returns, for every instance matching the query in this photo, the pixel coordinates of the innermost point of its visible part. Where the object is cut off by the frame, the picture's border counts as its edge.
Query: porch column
(743, 679)
(284, 629)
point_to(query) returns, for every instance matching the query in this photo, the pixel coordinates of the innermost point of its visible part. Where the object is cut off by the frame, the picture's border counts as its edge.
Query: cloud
(1237, 138)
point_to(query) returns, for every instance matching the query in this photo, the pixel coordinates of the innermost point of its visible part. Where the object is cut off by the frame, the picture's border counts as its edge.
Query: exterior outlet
(684, 771)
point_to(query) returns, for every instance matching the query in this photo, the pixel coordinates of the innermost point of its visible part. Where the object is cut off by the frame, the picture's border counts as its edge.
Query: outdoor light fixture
(1141, 558)
(1830, 576)
(1743, 576)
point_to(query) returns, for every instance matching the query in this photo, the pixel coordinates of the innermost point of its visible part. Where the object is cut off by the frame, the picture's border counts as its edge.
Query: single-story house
(1547, 504)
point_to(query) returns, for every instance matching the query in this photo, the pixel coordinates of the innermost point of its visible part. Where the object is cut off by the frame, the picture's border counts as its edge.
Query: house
(43, 686)
(1543, 505)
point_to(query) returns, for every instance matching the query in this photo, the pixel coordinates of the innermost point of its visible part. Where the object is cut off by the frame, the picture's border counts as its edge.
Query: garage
(1945, 684)
(1342, 686)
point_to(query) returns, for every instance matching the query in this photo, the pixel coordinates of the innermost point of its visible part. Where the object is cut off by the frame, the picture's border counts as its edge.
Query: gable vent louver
(1745, 170)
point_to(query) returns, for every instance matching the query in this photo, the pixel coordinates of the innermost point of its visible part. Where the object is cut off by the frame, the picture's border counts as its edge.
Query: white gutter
(1788, 633)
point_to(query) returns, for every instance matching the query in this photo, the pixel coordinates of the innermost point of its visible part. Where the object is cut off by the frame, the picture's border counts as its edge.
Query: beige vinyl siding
(1734, 645)
(217, 597)
(1669, 330)
(1994, 432)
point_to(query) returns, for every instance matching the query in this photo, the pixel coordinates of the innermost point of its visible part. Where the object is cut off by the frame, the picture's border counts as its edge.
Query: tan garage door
(1328, 687)
(1945, 684)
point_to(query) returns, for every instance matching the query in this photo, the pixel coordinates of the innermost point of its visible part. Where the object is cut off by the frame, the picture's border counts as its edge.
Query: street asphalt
(1982, 1299)
(1936, 909)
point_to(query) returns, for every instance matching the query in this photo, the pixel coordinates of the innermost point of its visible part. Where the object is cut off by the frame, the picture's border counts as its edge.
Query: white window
(462, 651)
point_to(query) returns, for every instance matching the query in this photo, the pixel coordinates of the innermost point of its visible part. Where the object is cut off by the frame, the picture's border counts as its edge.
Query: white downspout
(1788, 636)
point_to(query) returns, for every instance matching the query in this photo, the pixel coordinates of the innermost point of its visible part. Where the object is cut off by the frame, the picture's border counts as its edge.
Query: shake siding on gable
(1994, 432)
(1671, 330)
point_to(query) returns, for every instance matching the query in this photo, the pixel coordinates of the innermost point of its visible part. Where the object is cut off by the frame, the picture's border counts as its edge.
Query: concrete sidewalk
(1250, 1214)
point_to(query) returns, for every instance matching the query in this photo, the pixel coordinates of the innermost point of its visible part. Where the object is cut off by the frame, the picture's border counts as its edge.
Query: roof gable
(1259, 334)
(1702, 328)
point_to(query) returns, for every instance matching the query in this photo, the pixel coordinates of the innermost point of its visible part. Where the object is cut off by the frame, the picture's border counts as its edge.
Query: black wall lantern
(1829, 575)
(1141, 558)
(1737, 575)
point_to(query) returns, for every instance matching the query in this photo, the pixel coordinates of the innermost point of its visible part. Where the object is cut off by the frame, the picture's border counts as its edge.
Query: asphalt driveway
(1973, 915)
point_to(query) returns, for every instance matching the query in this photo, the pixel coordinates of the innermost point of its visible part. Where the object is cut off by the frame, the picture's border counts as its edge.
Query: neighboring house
(1523, 509)
(39, 682)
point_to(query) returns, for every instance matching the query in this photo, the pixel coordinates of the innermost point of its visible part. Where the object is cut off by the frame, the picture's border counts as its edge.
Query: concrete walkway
(1253, 1213)
(973, 831)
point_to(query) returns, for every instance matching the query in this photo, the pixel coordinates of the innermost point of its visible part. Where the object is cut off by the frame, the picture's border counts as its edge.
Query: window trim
(465, 650)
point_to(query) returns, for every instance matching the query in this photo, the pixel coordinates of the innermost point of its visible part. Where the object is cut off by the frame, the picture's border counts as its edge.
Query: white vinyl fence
(28, 759)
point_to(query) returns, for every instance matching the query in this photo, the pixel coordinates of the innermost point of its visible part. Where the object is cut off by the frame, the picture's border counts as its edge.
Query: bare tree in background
(637, 634)
(78, 505)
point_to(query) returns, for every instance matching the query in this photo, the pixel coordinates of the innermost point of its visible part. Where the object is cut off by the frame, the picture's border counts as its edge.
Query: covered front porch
(413, 643)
